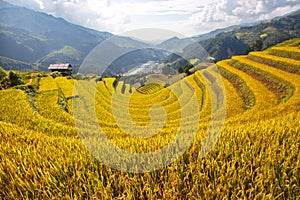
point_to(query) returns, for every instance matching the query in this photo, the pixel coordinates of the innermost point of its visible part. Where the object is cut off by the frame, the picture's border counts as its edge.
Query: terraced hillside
(254, 100)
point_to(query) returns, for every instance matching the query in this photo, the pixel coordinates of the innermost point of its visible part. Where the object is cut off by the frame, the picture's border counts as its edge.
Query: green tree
(185, 69)
(258, 45)
(14, 78)
(56, 74)
(180, 69)
(248, 50)
(2, 74)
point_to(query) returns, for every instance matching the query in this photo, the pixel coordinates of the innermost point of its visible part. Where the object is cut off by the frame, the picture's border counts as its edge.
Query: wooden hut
(65, 69)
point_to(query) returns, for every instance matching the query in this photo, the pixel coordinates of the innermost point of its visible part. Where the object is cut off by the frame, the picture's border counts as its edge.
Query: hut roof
(60, 66)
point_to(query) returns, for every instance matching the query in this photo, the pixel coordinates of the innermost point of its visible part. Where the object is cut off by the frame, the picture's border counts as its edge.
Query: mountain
(40, 39)
(240, 39)
(34, 40)
(118, 55)
(224, 43)
(12, 64)
(213, 33)
(174, 44)
(256, 37)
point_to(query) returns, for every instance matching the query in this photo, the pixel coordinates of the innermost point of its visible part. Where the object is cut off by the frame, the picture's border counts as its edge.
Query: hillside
(33, 40)
(255, 37)
(11, 64)
(36, 39)
(33, 37)
(52, 145)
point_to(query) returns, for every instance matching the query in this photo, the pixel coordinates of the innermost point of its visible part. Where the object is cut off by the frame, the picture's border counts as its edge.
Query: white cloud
(229, 12)
(40, 3)
(185, 16)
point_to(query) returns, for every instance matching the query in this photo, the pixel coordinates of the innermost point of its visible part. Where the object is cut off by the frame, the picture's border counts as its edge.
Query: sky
(186, 17)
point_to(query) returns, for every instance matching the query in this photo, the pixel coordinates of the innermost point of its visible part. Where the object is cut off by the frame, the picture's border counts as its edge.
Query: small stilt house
(64, 69)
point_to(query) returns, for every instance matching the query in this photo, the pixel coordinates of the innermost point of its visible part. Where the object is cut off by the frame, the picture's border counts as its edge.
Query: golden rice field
(256, 155)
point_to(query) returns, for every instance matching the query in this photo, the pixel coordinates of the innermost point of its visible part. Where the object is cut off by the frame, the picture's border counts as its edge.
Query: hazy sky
(188, 17)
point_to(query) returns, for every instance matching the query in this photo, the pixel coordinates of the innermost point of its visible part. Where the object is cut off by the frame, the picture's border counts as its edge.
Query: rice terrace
(108, 99)
(256, 155)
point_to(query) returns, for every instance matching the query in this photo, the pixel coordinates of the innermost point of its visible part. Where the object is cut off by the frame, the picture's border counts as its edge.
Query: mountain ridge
(253, 38)
(38, 39)
(34, 35)
(240, 39)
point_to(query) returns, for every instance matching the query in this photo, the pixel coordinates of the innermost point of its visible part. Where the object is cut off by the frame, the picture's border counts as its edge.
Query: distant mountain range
(239, 39)
(40, 39)
(32, 40)
(242, 39)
